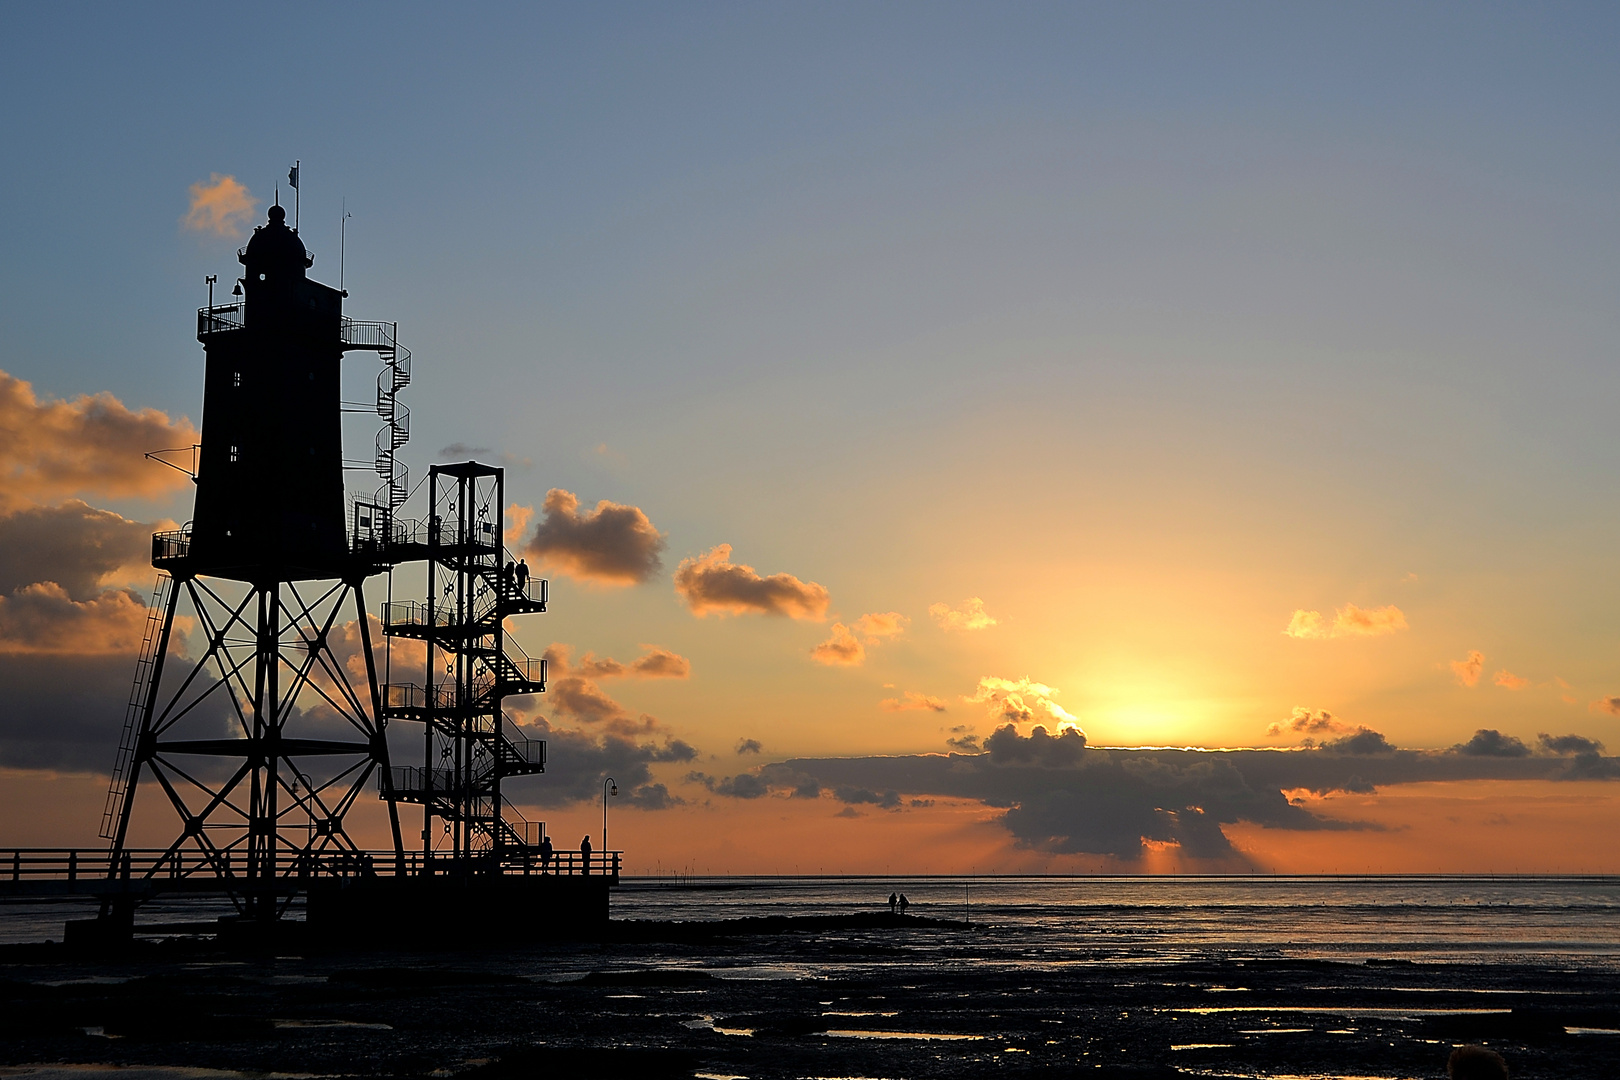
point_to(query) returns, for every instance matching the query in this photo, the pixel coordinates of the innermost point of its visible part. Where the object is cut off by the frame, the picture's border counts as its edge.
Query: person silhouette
(523, 576)
(585, 854)
(545, 854)
(904, 903)
(1476, 1063)
(509, 575)
(894, 899)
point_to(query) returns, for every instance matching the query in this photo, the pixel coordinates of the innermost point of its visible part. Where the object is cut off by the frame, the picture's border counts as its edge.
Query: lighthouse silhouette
(264, 738)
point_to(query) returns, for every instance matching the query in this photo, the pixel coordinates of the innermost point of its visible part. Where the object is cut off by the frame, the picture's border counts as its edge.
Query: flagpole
(343, 243)
(298, 192)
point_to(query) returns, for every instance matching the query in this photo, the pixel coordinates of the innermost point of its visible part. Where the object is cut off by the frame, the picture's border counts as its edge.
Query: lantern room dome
(276, 249)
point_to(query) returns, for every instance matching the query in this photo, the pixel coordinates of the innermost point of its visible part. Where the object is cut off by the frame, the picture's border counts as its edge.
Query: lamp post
(609, 787)
(209, 280)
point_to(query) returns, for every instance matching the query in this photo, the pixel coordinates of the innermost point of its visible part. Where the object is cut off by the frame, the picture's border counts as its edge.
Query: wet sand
(830, 996)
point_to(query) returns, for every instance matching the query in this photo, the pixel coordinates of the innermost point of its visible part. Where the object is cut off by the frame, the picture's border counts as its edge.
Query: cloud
(613, 544)
(43, 618)
(1304, 721)
(858, 796)
(842, 649)
(655, 662)
(1063, 750)
(748, 746)
(1363, 740)
(846, 646)
(576, 762)
(711, 582)
(913, 701)
(741, 786)
(1608, 705)
(220, 207)
(1348, 621)
(1058, 794)
(573, 693)
(1469, 668)
(1569, 744)
(881, 624)
(1488, 742)
(518, 517)
(93, 443)
(1509, 681)
(62, 711)
(74, 545)
(972, 615)
(1017, 701)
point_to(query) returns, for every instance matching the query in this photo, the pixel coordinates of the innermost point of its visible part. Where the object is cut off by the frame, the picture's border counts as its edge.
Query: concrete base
(418, 911)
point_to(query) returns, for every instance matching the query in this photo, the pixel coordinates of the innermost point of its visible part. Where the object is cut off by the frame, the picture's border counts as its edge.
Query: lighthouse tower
(263, 743)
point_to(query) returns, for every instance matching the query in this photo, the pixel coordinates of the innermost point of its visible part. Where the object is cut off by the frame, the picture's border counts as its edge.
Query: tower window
(236, 454)
(236, 379)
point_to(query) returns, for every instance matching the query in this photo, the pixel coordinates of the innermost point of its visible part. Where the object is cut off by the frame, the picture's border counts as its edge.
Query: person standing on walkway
(585, 854)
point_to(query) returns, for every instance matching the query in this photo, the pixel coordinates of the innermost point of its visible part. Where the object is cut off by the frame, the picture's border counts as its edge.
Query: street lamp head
(613, 790)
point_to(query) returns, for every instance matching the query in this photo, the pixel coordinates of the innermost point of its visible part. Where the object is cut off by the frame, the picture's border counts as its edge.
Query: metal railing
(416, 780)
(86, 871)
(411, 696)
(524, 751)
(171, 545)
(360, 334)
(414, 613)
(220, 318)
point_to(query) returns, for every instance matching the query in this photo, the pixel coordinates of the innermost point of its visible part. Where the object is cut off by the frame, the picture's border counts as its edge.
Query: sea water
(1572, 920)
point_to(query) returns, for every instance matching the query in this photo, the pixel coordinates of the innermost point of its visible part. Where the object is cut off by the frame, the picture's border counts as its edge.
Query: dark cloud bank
(1062, 796)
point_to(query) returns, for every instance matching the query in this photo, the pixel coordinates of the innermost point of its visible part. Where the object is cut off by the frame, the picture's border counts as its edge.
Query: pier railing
(90, 871)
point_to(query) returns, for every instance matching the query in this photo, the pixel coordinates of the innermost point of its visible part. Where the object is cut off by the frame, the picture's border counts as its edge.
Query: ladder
(122, 766)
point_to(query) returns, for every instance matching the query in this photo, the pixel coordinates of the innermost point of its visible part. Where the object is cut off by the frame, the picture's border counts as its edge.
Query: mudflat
(821, 996)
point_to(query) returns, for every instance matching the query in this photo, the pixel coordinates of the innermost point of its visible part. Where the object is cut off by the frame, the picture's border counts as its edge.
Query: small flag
(292, 177)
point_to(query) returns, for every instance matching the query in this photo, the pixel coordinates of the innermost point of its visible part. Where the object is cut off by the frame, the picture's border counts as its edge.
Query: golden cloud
(842, 649)
(1509, 681)
(881, 624)
(517, 516)
(613, 544)
(1348, 621)
(1304, 721)
(43, 618)
(221, 206)
(1016, 701)
(53, 449)
(711, 582)
(655, 662)
(912, 701)
(1469, 668)
(971, 616)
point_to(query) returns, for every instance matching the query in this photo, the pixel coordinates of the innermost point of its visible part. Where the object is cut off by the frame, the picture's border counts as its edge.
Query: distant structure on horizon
(262, 744)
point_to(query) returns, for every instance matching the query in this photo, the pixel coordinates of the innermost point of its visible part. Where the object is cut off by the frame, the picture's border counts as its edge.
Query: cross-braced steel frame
(264, 741)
